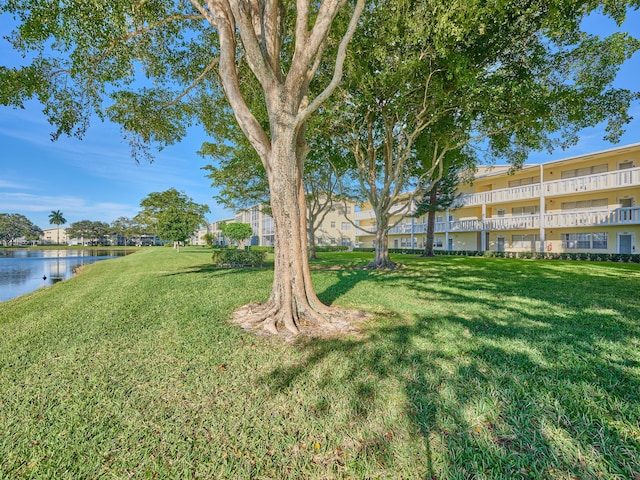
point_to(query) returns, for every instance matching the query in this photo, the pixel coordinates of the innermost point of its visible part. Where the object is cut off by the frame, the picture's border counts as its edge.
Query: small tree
(125, 227)
(237, 232)
(208, 237)
(173, 215)
(177, 225)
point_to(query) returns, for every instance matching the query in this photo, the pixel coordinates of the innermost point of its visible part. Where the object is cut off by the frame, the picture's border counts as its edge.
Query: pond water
(22, 270)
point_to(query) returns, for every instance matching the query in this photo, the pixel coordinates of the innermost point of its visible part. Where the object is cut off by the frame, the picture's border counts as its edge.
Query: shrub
(332, 248)
(238, 258)
(259, 248)
(592, 257)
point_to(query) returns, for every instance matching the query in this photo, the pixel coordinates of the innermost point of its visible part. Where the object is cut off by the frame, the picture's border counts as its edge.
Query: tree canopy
(174, 215)
(236, 232)
(477, 80)
(57, 218)
(14, 226)
(90, 230)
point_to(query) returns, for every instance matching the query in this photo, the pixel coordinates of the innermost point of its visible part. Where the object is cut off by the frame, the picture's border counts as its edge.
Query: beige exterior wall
(335, 229)
(589, 203)
(198, 236)
(50, 236)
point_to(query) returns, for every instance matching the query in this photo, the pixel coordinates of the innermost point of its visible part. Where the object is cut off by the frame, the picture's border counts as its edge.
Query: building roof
(490, 170)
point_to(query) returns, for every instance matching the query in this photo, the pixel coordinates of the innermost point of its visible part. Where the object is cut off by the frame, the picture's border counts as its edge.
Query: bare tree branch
(220, 13)
(339, 65)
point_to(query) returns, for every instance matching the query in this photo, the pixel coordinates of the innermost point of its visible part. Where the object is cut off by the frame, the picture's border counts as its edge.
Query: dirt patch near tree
(340, 322)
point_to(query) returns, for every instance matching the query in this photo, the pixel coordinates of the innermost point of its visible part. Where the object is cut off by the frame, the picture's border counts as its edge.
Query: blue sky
(96, 179)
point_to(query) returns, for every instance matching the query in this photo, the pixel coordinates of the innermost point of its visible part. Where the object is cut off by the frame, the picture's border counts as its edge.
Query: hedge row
(327, 248)
(594, 257)
(238, 258)
(332, 248)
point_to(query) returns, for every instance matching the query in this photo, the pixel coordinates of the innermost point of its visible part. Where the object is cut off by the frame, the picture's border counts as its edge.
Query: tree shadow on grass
(347, 279)
(521, 378)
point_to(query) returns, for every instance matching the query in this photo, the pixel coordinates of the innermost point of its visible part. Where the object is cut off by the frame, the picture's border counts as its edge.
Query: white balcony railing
(588, 183)
(594, 218)
(370, 214)
(408, 228)
(618, 216)
(501, 195)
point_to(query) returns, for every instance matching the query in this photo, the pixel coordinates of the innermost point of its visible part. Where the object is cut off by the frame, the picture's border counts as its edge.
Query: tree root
(268, 319)
(376, 265)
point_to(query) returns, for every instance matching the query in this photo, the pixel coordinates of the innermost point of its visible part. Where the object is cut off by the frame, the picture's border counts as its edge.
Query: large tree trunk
(293, 301)
(312, 246)
(382, 259)
(282, 150)
(431, 219)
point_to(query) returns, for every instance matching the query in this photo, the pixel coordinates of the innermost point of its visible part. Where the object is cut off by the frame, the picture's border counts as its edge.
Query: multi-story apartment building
(54, 235)
(335, 229)
(587, 203)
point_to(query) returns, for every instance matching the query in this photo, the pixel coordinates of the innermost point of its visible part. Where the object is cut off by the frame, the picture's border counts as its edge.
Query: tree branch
(221, 15)
(339, 65)
(186, 91)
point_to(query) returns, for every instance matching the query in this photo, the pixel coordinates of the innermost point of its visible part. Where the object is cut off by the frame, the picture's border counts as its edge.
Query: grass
(473, 368)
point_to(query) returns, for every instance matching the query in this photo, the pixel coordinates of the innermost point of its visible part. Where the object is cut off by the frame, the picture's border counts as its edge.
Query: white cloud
(37, 207)
(8, 184)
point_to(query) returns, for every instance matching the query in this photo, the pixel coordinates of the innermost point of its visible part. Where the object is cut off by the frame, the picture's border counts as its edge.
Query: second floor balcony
(591, 218)
(570, 186)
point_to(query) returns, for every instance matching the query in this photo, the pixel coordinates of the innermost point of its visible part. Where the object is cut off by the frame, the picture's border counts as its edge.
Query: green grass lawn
(472, 368)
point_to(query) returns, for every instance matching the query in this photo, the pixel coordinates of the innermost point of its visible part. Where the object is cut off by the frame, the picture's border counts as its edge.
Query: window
(333, 224)
(345, 226)
(525, 241)
(439, 218)
(598, 240)
(581, 172)
(438, 242)
(625, 165)
(501, 213)
(586, 204)
(532, 210)
(584, 240)
(523, 181)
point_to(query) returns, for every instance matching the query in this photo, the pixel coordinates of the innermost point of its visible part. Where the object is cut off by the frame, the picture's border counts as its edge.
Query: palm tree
(56, 218)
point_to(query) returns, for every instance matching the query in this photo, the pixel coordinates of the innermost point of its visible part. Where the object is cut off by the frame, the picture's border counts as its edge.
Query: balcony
(618, 216)
(407, 228)
(370, 214)
(593, 218)
(591, 183)
(588, 183)
(524, 192)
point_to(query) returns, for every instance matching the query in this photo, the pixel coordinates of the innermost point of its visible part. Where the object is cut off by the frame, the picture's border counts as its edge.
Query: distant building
(215, 229)
(52, 236)
(198, 236)
(335, 229)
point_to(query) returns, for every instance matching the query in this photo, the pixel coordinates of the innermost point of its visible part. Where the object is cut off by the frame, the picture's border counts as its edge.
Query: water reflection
(22, 270)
